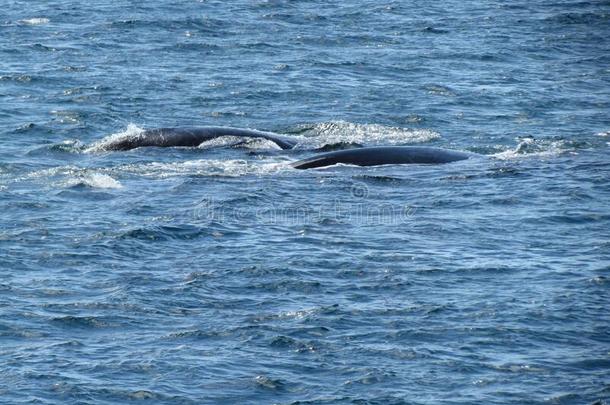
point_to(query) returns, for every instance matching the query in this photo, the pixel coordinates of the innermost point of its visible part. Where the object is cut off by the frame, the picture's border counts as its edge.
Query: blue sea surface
(220, 274)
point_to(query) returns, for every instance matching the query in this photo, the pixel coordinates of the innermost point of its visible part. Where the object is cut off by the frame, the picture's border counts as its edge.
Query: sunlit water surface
(219, 274)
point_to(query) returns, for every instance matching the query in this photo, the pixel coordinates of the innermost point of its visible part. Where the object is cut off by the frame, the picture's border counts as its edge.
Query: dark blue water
(219, 274)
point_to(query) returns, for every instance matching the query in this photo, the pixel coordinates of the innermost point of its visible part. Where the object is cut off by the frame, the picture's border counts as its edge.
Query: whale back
(383, 155)
(191, 137)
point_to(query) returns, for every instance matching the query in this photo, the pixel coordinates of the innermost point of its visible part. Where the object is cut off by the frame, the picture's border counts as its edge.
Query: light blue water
(221, 275)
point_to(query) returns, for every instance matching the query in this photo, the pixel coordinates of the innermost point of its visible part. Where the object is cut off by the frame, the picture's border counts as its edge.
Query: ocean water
(219, 274)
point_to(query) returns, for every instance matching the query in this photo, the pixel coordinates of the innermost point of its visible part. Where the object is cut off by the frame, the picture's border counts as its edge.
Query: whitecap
(70, 176)
(336, 132)
(533, 147)
(250, 143)
(34, 21)
(99, 180)
(202, 167)
(131, 132)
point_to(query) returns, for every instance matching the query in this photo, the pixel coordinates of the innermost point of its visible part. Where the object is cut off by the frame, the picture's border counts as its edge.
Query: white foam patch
(334, 132)
(98, 180)
(202, 167)
(250, 143)
(70, 176)
(604, 134)
(105, 178)
(131, 132)
(50, 173)
(34, 21)
(530, 147)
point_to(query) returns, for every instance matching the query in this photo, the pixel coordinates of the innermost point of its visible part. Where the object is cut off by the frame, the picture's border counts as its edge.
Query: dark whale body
(166, 137)
(383, 155)
(364, 156)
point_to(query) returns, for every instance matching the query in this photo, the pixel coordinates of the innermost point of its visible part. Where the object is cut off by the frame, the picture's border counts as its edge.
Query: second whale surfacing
(383, 155)
(167, 137)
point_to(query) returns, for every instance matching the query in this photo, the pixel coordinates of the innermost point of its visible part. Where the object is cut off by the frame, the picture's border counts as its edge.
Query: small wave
(518, 368)
(94, 180)
(18, 77)
(296, 314)
(131, 132)
(26, 127)
(34, 21)
(434, 30)
(71, 176)
(578, 18)
(439, 90)
(375, 179)
(82, 321)
(599, 280)
(66, 146)
(67, 116)
(533, 147)
(341, 132)
(70, 146)
(144, 394)
(179, 232)
(194, 25)
(268, 382)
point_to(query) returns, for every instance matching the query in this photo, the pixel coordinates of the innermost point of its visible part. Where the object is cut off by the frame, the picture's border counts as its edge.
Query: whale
(168, 137)
(383, 155)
